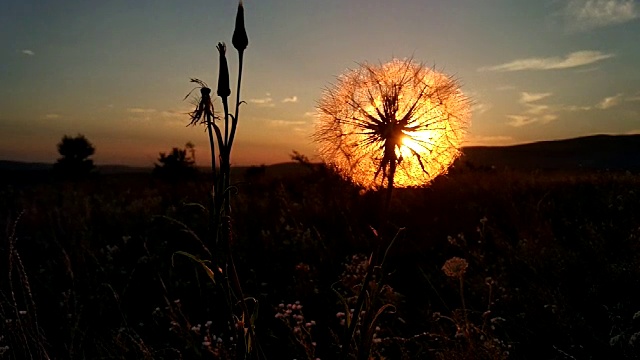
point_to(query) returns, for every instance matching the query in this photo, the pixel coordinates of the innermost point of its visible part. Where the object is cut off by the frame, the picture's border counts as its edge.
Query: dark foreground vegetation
(553, 267)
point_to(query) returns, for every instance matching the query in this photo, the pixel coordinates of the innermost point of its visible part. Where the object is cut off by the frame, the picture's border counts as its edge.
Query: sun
(396, 124)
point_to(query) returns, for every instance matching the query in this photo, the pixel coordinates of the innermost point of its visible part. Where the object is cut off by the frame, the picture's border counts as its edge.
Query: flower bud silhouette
(224, 90)
(240, 40)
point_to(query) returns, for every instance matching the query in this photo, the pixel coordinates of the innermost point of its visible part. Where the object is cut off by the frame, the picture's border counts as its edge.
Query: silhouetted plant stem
(213, 156)
(234, 119)
(221, 194)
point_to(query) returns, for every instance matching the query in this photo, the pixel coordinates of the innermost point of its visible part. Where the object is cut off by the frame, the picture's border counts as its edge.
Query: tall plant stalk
(221, 197)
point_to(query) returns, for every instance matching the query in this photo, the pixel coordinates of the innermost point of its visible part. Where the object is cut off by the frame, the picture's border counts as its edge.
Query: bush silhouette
(177, 164)
(75, 152)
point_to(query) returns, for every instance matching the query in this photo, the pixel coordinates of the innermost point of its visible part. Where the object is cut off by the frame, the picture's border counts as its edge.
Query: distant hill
(8, 165)
(597, 152)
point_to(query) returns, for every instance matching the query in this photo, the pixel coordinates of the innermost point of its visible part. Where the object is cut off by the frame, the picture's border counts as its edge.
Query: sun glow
(398, 122)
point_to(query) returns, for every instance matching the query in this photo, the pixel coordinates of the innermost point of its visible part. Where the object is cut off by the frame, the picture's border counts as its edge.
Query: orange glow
(418, 112)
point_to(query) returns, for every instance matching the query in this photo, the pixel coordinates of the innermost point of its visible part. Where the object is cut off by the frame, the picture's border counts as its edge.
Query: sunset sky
(117, 70)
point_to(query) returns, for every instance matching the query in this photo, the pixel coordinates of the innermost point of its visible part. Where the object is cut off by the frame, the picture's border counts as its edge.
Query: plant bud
(224, 90)
(240, 40)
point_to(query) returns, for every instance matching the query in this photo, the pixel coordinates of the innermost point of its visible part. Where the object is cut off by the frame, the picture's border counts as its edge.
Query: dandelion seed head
(400, 119)
(455, 267)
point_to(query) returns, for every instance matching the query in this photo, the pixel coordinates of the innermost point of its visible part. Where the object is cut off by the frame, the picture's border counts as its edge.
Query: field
(91, 270)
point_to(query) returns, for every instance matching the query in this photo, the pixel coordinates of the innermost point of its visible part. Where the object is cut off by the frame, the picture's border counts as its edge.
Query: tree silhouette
(177, 164)
(75, 152)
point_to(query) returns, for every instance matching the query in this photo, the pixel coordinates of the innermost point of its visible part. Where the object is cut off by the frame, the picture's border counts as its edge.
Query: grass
(553, 267)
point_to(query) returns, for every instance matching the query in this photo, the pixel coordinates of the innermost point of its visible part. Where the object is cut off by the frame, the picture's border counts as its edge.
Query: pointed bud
(240, 40)
(224, 90)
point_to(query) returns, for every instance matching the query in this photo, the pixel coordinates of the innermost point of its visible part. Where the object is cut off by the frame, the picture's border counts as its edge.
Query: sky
(117, 71)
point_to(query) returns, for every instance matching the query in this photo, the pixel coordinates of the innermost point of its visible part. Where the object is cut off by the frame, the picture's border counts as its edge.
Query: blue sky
(117, 71)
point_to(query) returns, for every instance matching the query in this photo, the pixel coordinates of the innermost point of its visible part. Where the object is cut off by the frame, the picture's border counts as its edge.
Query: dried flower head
(224, 90)
(398, 123)
(455, 267)
(240, 40)
(203, 104)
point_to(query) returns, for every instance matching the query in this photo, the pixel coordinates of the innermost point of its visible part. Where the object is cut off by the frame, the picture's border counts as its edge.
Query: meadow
(91, 270)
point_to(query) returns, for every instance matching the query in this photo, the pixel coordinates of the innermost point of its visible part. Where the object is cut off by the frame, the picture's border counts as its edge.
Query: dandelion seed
(398, 123)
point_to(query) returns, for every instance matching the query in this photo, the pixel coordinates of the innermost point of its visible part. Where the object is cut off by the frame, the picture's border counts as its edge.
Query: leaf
(204, 263)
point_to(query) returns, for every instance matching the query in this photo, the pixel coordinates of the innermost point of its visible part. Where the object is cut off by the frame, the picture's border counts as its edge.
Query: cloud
(520, 120)
(265, 101)
(535, 109)
(527, 97)
(284, 123)
(52, 116)
(311, 114)
(292, 99)
(141, 110)
(577, 108)
(609, 102)
(574, 59)
(488, 140)
(523, 120)
(591, 14)
(28, 52)
(481, 108)
(534, 112)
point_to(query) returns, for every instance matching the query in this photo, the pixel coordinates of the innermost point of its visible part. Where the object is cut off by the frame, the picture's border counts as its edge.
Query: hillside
(598, 152)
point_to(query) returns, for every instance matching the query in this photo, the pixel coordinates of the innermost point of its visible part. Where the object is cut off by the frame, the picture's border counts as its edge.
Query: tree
(75, 161)
(178, 164)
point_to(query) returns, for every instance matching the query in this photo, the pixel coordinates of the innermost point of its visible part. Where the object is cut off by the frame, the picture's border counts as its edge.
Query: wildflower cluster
(293, 317)
(214, 344)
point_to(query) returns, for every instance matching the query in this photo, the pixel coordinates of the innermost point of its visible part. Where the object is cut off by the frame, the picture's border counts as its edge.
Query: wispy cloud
(577, 108)
(28, 52)
(591, 14)
(488, 140)
(284, 123)
(527, 97)
(481, 108)
(520, 120)
(141, 110)
(574, 59)
(265, 101)
(523, 120)
(610, 102)
(292, 99)
(534, 112)
(52, 116)
(310, 114)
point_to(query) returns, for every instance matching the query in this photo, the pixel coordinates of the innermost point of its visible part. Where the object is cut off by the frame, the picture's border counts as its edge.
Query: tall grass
(561, 251)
